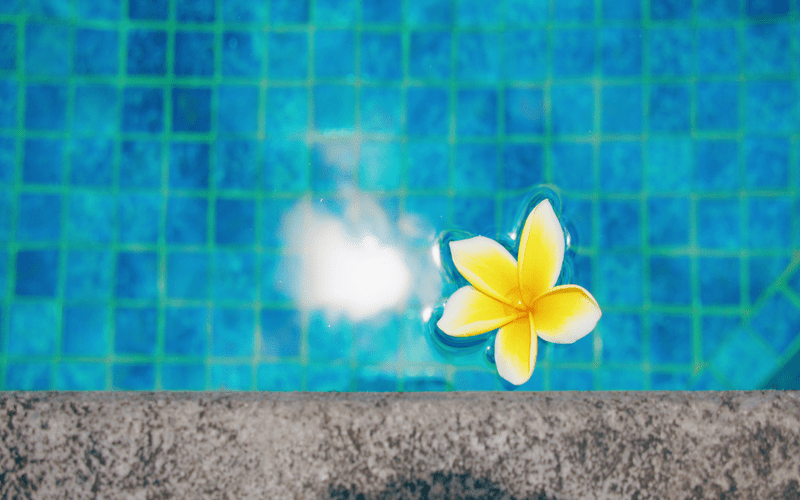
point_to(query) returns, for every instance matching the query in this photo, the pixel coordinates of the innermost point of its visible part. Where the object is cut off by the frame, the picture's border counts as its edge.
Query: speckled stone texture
(407, 445)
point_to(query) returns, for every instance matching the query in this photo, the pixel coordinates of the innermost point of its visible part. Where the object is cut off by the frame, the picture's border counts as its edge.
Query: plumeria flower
(518, 297)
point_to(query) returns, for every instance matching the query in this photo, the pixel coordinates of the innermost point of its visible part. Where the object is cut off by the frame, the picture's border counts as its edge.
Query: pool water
(247, 195)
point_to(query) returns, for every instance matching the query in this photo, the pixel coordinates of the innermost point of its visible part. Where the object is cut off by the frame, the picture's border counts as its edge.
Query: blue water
(247, 195)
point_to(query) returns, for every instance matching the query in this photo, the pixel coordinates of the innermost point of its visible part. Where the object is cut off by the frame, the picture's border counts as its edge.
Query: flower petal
(541, 252)
(565, 314)
(515, 350)
(488, 266)
(469, 312)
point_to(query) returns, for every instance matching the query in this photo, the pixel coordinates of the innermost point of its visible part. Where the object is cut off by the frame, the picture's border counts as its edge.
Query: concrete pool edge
(400, 445)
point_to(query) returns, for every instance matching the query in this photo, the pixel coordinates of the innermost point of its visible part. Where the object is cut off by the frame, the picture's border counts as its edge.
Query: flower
(519, 298)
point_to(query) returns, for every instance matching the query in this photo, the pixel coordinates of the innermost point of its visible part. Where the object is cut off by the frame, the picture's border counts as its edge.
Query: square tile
(525, 54)
(191, 109)
(91, 217)
(769, 222)
(195, 11)
(8, 159)
(136, 275)
(279, 377)
(375, 340)
(718, 223)
(476, 113)
(525, 12)
(381, 56)
(96, 52)
(670, 381)
(719, 280)
(581, 351)
(133, 377)
(478, 57)
(427, 111)
(39, 218)
(671, 280)
(573, 52)
(328, 378)
(8, 103)
(764, 272)
(233, 332)
(622, 335)
(574, 10)
(474, 213)
(280, 333)
(140, 164)
(661, 10)
(572, 166)
(717, 51)
(88, 275)
(46, 54)
(135, 330)
(26, 317)
(337, 12)
(579, 214)
(183, 377)
(744, 361)
(28, 376)
(188, 165)
(571, 380)
(188, 275)
(425, 12)
(621, 167)
(381, 109)
(148, 9)
(476, 13)
(717, 106)
(478, 168)
(621, 279)
(244, 11)
(668, 221)
(287, 111)
(291, 61)
(237, 166)
(619, 379)
(715, 330)
(238, 109)
(286, 165)
(374, 379)
(329, 339)
(194, 53)
(80, 376)
(671, 51)
(767, 161)
(43, 161)
(429, 55)
(185, 331)
(96, 109)
(289, 11)
(140, 217)
(381, 11)
(272, 212)
(37, 273)
(428, 165)
(186, 220)
(622, 109)
(621, 51)
(670, 108)
(620, 224)
(234, 221)
(334, 107)
(143, 110)
(45, 107)
(427, 380)
(90, 162)
(524, 111)
(622, 10)
(147, 52)
(716, 165)
(771, 106)
(670, 162)
(380, 166)
(278, 277)
(572, 108)
(758, 8)
(670, 338)
(474, 380)
(718, 9)
(334, 54)
(765, 48)
(334, 164)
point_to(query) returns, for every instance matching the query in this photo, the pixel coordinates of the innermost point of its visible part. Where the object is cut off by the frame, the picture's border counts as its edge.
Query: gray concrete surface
(406, 445)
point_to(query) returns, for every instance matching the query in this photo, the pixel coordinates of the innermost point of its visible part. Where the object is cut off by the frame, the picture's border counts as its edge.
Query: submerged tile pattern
(148, 150)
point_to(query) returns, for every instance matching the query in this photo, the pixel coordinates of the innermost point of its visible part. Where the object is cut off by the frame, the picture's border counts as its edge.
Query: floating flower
(518, 297)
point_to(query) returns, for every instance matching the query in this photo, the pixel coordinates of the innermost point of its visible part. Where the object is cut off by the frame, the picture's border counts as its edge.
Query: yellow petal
(541, 252)
(565, 314)
(488, 266)
(469, 312)
(515, 350)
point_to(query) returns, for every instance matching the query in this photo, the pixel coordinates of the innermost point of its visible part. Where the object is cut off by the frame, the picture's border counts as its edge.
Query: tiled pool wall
(150, 148)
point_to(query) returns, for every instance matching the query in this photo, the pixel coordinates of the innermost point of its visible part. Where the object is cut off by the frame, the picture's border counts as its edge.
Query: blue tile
(380, 166)
(376, 340)
(621, 51)
(792, 283)
(471, 380)
(381, 56)
(428, 165)
(90, 217)
(195, 11)
(581, 351)
(147, 52)
(234, 276)
(574, 10)
(39, 218)
(757, 8)
(424, 12)
(670, 51)
(476, 13)
(91, 161)
(43, 161)
(715, 330)
(194, 53)
(191, 109)
(148, 9)
(279, 377)
(717, 51)
(183, 377)
(185, 331)
(619, 379)
(291, 61)
(717, 165)
(621, 278)
(334, 107)
(717, 106)
(573, 52)
(143, 110)
(525, 54)
(478, 168)
(769, 222)
(766, 48)
(28, 376)
(381, 11)
(244, 11)
(88, 275)
(621, 167)
(96, 109)
(620, 222)
(236, 166)
(136, 275)
(80, 376)
(474, 213)
(278, 277)
(286, 165)
(11, 7)
(280, 333)
(670, 338)
(287, 111)
(188, 165)
(622, 10)
(8, 103)
(571, 165)
(744, 361)
(524, 111)
(579, 213)
(670, 381)
(89, 9)
(272, 212)
(27, 317)
(668, 221)
(5, 215)
(135, 330)
(571, 380)
(188, 275)
(238, 109)
(670, 280)
(328, 378)
(572, 108)
(289, 11)
(670, 162)
(336, 12)
(670, 108)
(429, 55)
(233, 332)
(718, 224)
(37, 273)
(622, 338)
(45, 107)
(96, 52)
(46, 53)
(526, 12)
(476, 112)
(764, 271)
(622, 109)
(718, 9)
(670, 9)
(427, 111)
(381, 109)
(8, 159)
(235, 222)
(54, 9)
(133, 377)
(334, 54)
(767, 162)
(428, 380)
(329, 339)
(140, 164)
(770, 106)
(373, 379)
(140, 217)
(478, 57)
(333, 164)
(719, 280)
(4, 288)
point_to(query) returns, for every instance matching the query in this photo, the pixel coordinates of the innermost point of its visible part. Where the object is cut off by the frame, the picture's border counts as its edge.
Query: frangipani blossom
(518, 297)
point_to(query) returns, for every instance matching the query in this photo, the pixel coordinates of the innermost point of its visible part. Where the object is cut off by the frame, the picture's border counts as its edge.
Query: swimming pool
(227, 194)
